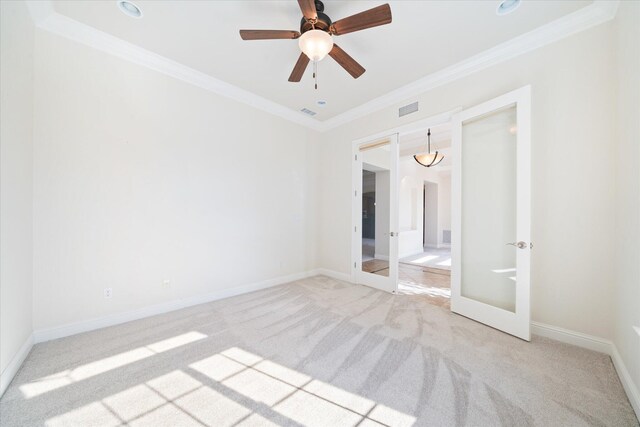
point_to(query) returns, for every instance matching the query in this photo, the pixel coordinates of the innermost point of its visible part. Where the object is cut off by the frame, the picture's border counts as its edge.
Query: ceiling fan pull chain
(315, 73)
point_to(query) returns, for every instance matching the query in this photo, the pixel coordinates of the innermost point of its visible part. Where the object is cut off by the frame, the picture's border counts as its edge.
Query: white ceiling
(424, 37)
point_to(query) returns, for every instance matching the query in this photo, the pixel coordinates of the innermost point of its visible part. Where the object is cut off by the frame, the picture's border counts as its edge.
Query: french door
(491, 246)
(375, 213)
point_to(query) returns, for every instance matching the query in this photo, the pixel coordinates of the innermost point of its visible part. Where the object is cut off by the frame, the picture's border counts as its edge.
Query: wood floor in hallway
(433, 285)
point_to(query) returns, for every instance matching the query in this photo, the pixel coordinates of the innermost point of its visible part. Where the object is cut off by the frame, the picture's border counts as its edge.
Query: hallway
(439, 258)
(429, 284)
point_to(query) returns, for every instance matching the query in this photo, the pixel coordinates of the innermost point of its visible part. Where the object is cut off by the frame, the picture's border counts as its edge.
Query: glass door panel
(489, 209)
(375, 189)
(375, 217)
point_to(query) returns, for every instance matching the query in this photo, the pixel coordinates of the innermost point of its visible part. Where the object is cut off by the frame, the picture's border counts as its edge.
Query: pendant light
(429, 159)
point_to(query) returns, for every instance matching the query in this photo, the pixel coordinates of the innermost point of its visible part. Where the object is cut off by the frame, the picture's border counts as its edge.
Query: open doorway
(425, 218)
(483, 288)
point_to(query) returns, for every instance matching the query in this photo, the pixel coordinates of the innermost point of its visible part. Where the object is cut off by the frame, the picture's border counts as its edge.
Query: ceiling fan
(316, 36)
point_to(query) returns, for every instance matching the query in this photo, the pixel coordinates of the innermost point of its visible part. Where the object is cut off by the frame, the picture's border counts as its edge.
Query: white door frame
(515, 323)
(356, 173)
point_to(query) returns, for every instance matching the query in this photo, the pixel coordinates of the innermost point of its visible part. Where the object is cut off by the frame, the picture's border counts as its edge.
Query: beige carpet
(314, 352)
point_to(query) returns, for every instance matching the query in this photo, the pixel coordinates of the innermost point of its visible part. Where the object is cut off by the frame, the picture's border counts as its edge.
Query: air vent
(408, 109)
(308, 112)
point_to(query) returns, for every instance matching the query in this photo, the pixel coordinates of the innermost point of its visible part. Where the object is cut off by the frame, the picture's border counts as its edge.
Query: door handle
(519, 245)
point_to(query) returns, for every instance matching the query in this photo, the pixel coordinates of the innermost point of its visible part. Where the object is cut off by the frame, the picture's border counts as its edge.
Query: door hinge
(354, 265)
(355, 229)
(355, 193)
(355, 157)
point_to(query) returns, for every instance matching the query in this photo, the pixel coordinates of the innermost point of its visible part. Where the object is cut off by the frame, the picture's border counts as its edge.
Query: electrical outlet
(166, 283)
(108, 292)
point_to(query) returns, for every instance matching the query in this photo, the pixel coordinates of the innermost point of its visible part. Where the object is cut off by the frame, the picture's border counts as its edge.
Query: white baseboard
(12, 368)
(596, 344)
(627, 382)
(333, 274)
(571, 337)
(69, 329)
(382, 257)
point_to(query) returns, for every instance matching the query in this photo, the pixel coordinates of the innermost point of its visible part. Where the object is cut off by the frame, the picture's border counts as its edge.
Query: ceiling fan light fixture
(316, 44)
(315, 37)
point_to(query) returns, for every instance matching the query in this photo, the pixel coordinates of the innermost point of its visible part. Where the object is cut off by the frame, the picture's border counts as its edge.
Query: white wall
(16, 184)
(573, 96)
(627, 233)
(141, 178)
(412, 180)
(431, 192)
(444, 205)
(410, 199)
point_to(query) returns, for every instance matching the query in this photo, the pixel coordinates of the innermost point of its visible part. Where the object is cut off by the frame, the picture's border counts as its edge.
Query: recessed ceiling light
(129, 9)
(507, 6)
(321, 103)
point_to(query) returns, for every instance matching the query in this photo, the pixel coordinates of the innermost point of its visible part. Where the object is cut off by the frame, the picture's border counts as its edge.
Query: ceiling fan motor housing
(323, 23)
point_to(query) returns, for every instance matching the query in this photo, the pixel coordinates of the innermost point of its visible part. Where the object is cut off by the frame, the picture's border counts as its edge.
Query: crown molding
(45, 17)
(596, 13)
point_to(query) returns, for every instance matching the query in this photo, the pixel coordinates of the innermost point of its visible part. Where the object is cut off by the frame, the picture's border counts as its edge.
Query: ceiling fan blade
(308, 8)
(380, 15)
(346, 62)
(298, 69)
(268, 34)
